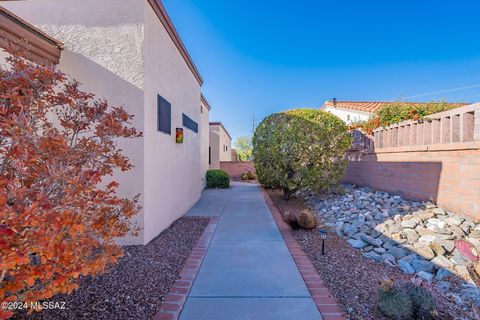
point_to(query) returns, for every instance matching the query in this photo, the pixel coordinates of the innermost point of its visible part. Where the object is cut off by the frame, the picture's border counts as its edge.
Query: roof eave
(39, 46)
(167, 23)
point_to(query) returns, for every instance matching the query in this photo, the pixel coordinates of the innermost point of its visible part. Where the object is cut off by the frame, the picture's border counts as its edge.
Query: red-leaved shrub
(58, 216)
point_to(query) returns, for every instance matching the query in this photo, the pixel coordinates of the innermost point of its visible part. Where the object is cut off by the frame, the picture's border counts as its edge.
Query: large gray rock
(389, 244)
(409, 223)
(427, 238)
(424, 231)
(426, 252)
(434, 221)
(454, 220)
(437, 248)
(427, 214)
(442, 274)
(475, 234)
(388, 257)
(395, 228)
(448, 245)
(425, 275)
(410, 258)
(423, 265)
(457, 231)
(372, 256)
(439, 211)
(356, 243)
(370, 240)
(443, 262)
(397, 252)
(458, 258)
(412, 235)
(405, 267)
(379, 250)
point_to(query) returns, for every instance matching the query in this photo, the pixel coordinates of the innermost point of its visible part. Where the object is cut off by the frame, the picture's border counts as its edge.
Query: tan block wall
(450, 178)
(237, 168)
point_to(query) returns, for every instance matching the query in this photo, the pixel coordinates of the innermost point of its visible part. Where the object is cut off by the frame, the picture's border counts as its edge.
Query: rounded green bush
(218, 179)
(300, 149)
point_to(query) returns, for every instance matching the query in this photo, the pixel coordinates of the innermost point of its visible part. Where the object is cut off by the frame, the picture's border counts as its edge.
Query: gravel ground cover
(354, 279)
(134, 288)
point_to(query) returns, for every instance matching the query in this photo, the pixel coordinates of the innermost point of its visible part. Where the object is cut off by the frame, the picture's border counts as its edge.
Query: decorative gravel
(134, 288)
(353, 279)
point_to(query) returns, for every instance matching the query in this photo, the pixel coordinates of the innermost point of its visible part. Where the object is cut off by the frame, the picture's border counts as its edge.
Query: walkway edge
(324, 301)
(173, 304)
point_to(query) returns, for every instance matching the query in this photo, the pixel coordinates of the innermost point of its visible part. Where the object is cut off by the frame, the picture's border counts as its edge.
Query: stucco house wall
(121, 51)
(348, 116)
(214, 140)
(205, 140)
(220, 145)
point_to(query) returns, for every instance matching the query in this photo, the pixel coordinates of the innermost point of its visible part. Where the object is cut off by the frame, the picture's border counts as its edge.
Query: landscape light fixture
(323, 236)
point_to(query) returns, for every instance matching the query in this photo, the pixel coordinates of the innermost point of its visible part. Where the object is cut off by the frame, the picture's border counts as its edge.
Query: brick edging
(177, 296)
(324, 301)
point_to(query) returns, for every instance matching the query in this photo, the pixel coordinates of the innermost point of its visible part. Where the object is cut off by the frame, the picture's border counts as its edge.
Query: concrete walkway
(248, 272)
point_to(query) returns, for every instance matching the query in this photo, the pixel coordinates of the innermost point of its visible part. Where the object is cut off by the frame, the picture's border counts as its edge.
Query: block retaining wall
(236, 168)
(402, 159)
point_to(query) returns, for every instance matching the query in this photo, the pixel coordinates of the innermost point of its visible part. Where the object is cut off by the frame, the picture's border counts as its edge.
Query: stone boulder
(306, 219)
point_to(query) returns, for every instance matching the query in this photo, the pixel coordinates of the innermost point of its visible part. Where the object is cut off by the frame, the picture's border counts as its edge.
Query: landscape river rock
(418, 238)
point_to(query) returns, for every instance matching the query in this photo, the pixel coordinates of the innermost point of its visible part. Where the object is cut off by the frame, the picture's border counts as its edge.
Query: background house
(220, 145)
(353, 111)
(128, 52)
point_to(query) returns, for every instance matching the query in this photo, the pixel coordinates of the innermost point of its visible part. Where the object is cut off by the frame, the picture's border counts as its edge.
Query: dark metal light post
(323, 236)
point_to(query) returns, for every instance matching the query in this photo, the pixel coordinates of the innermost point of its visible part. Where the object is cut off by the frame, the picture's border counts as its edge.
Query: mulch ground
(351, 278)
(134, 288)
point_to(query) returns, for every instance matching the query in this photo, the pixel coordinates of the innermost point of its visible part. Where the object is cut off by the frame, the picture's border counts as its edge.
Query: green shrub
(401, 111)
(300, 149)
(218, 179)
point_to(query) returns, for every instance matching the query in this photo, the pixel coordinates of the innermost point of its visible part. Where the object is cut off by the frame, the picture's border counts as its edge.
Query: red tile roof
(371, 106)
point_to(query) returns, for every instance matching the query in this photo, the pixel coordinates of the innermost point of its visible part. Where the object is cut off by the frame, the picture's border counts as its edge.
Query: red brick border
(177, 296)
(325, 302)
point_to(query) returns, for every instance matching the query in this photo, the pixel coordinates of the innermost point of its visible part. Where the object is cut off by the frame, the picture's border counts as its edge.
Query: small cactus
(393, 302)
(423, 302)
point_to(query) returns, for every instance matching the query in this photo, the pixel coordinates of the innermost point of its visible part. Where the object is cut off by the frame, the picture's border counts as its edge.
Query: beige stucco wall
(172, 180)
(205, 141)
(225, 141)
(219, 139)
(348, 116)
(214, 135)
(103, 50)
(120, 51)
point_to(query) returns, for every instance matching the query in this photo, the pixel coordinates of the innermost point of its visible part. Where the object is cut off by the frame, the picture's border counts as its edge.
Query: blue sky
(260, 57)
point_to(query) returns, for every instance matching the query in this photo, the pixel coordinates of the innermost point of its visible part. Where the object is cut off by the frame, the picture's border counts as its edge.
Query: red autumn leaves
(58, 215)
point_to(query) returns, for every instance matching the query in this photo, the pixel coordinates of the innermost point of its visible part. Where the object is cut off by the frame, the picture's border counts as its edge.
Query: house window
(348, 117)
(201, 109)
(209, 155)
(164, 115)
(189, 123)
